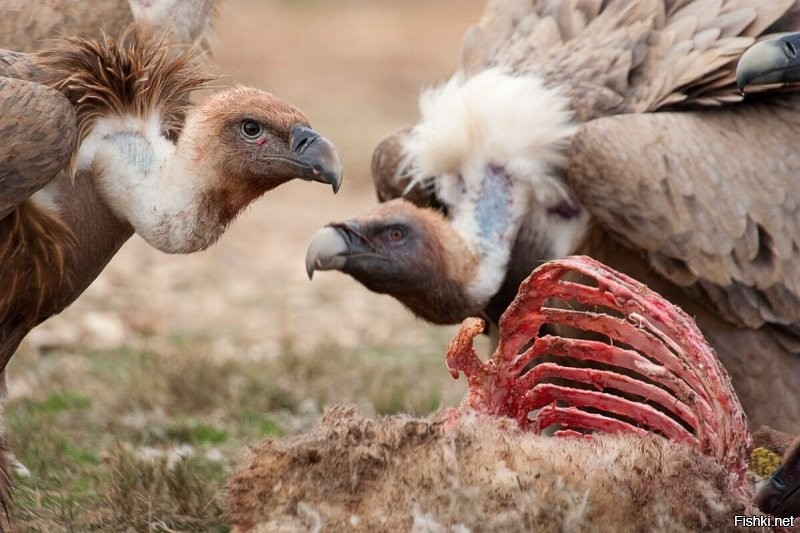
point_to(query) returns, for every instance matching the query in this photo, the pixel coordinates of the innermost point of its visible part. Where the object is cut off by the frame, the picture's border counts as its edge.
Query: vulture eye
(396, 233)
(251, 129)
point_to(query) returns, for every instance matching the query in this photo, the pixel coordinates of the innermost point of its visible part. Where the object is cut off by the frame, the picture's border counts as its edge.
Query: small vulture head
(482, 170)
(234, 147)
(772, 62)
(410, 253)
(254, 141)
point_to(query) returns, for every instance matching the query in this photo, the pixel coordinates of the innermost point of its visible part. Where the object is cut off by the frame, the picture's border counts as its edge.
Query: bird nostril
(300, 145)
(790, 49)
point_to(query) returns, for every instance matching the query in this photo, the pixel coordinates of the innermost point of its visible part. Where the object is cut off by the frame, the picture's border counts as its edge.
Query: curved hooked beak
(780, 496)
(770, 62)
(331, 247)
(316, 156)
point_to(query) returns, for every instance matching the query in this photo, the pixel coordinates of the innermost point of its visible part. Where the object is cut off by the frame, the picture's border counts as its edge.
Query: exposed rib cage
(657, 372)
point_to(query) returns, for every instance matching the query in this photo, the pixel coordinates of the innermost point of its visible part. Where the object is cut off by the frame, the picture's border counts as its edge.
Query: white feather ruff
(492, 118)
(468, 128)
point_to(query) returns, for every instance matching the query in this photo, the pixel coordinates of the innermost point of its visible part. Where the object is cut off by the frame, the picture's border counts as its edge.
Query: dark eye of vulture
(251, 129)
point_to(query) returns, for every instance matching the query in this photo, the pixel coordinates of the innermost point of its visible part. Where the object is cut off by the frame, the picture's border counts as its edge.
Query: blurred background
(132, 407)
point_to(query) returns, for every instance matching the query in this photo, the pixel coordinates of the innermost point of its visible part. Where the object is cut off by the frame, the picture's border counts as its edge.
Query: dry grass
(143, 439)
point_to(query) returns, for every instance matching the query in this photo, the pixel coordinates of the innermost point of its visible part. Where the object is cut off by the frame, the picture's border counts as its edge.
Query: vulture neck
(146, 180)
(496, 143)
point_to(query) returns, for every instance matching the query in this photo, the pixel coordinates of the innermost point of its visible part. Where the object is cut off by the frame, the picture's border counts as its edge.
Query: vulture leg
(37, 135)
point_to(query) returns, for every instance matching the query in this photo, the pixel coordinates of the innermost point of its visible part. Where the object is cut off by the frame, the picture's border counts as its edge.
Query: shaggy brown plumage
(99, 141)
(700, 204)
(137, 73)
(42, 254)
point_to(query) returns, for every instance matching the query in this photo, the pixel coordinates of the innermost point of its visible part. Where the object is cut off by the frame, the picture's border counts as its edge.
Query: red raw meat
(657, 374)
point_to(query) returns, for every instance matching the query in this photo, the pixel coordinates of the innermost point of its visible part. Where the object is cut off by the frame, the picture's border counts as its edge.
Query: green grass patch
(191, 432)
(102, 443)
(58, 402)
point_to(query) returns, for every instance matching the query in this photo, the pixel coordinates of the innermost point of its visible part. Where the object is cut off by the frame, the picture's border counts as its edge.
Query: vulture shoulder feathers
(29, 26)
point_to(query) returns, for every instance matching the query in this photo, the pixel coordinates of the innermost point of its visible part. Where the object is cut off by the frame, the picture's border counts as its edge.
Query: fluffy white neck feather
(490, 146)
(147, 181)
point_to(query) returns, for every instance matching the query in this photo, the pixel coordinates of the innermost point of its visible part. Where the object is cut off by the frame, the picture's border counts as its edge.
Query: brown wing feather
(37, 138)
(29, 26)
(623, 56)
(712, 198)
(392, 176)
(18, 65)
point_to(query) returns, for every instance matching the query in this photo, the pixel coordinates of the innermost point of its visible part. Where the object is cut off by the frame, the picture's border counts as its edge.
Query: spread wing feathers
(621, 56)
(717, 210)
(37, 138)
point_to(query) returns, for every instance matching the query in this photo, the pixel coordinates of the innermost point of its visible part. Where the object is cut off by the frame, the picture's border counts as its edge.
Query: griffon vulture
(95, 148)
(98, 142)
(612, 129)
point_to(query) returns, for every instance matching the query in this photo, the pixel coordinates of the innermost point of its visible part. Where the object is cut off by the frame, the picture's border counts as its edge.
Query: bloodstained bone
(668, 364)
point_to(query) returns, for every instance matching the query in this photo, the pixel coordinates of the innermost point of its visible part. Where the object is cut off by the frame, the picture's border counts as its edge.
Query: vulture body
(613, 129)
(95, 148)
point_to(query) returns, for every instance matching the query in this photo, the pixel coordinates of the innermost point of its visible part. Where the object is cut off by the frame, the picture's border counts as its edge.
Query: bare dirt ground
(132, 407)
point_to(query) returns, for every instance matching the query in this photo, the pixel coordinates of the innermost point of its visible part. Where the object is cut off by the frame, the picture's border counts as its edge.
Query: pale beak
(770, 62)
(331, 247)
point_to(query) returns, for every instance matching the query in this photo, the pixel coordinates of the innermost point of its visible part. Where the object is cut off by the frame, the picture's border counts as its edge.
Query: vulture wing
(608, 57)
(712, 198)
(28, 26)
(623, 56)
(38, 133)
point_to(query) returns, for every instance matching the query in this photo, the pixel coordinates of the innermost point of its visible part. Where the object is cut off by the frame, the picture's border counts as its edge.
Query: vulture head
(410, 253)
(233, 148)
(774, 61)
(490, 155)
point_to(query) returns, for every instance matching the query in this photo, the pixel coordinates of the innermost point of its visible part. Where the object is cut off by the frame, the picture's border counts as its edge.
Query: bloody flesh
(655, 373)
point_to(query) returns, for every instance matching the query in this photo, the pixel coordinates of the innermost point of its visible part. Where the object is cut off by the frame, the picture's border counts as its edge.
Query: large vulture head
(178, 173)
(496, 155)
